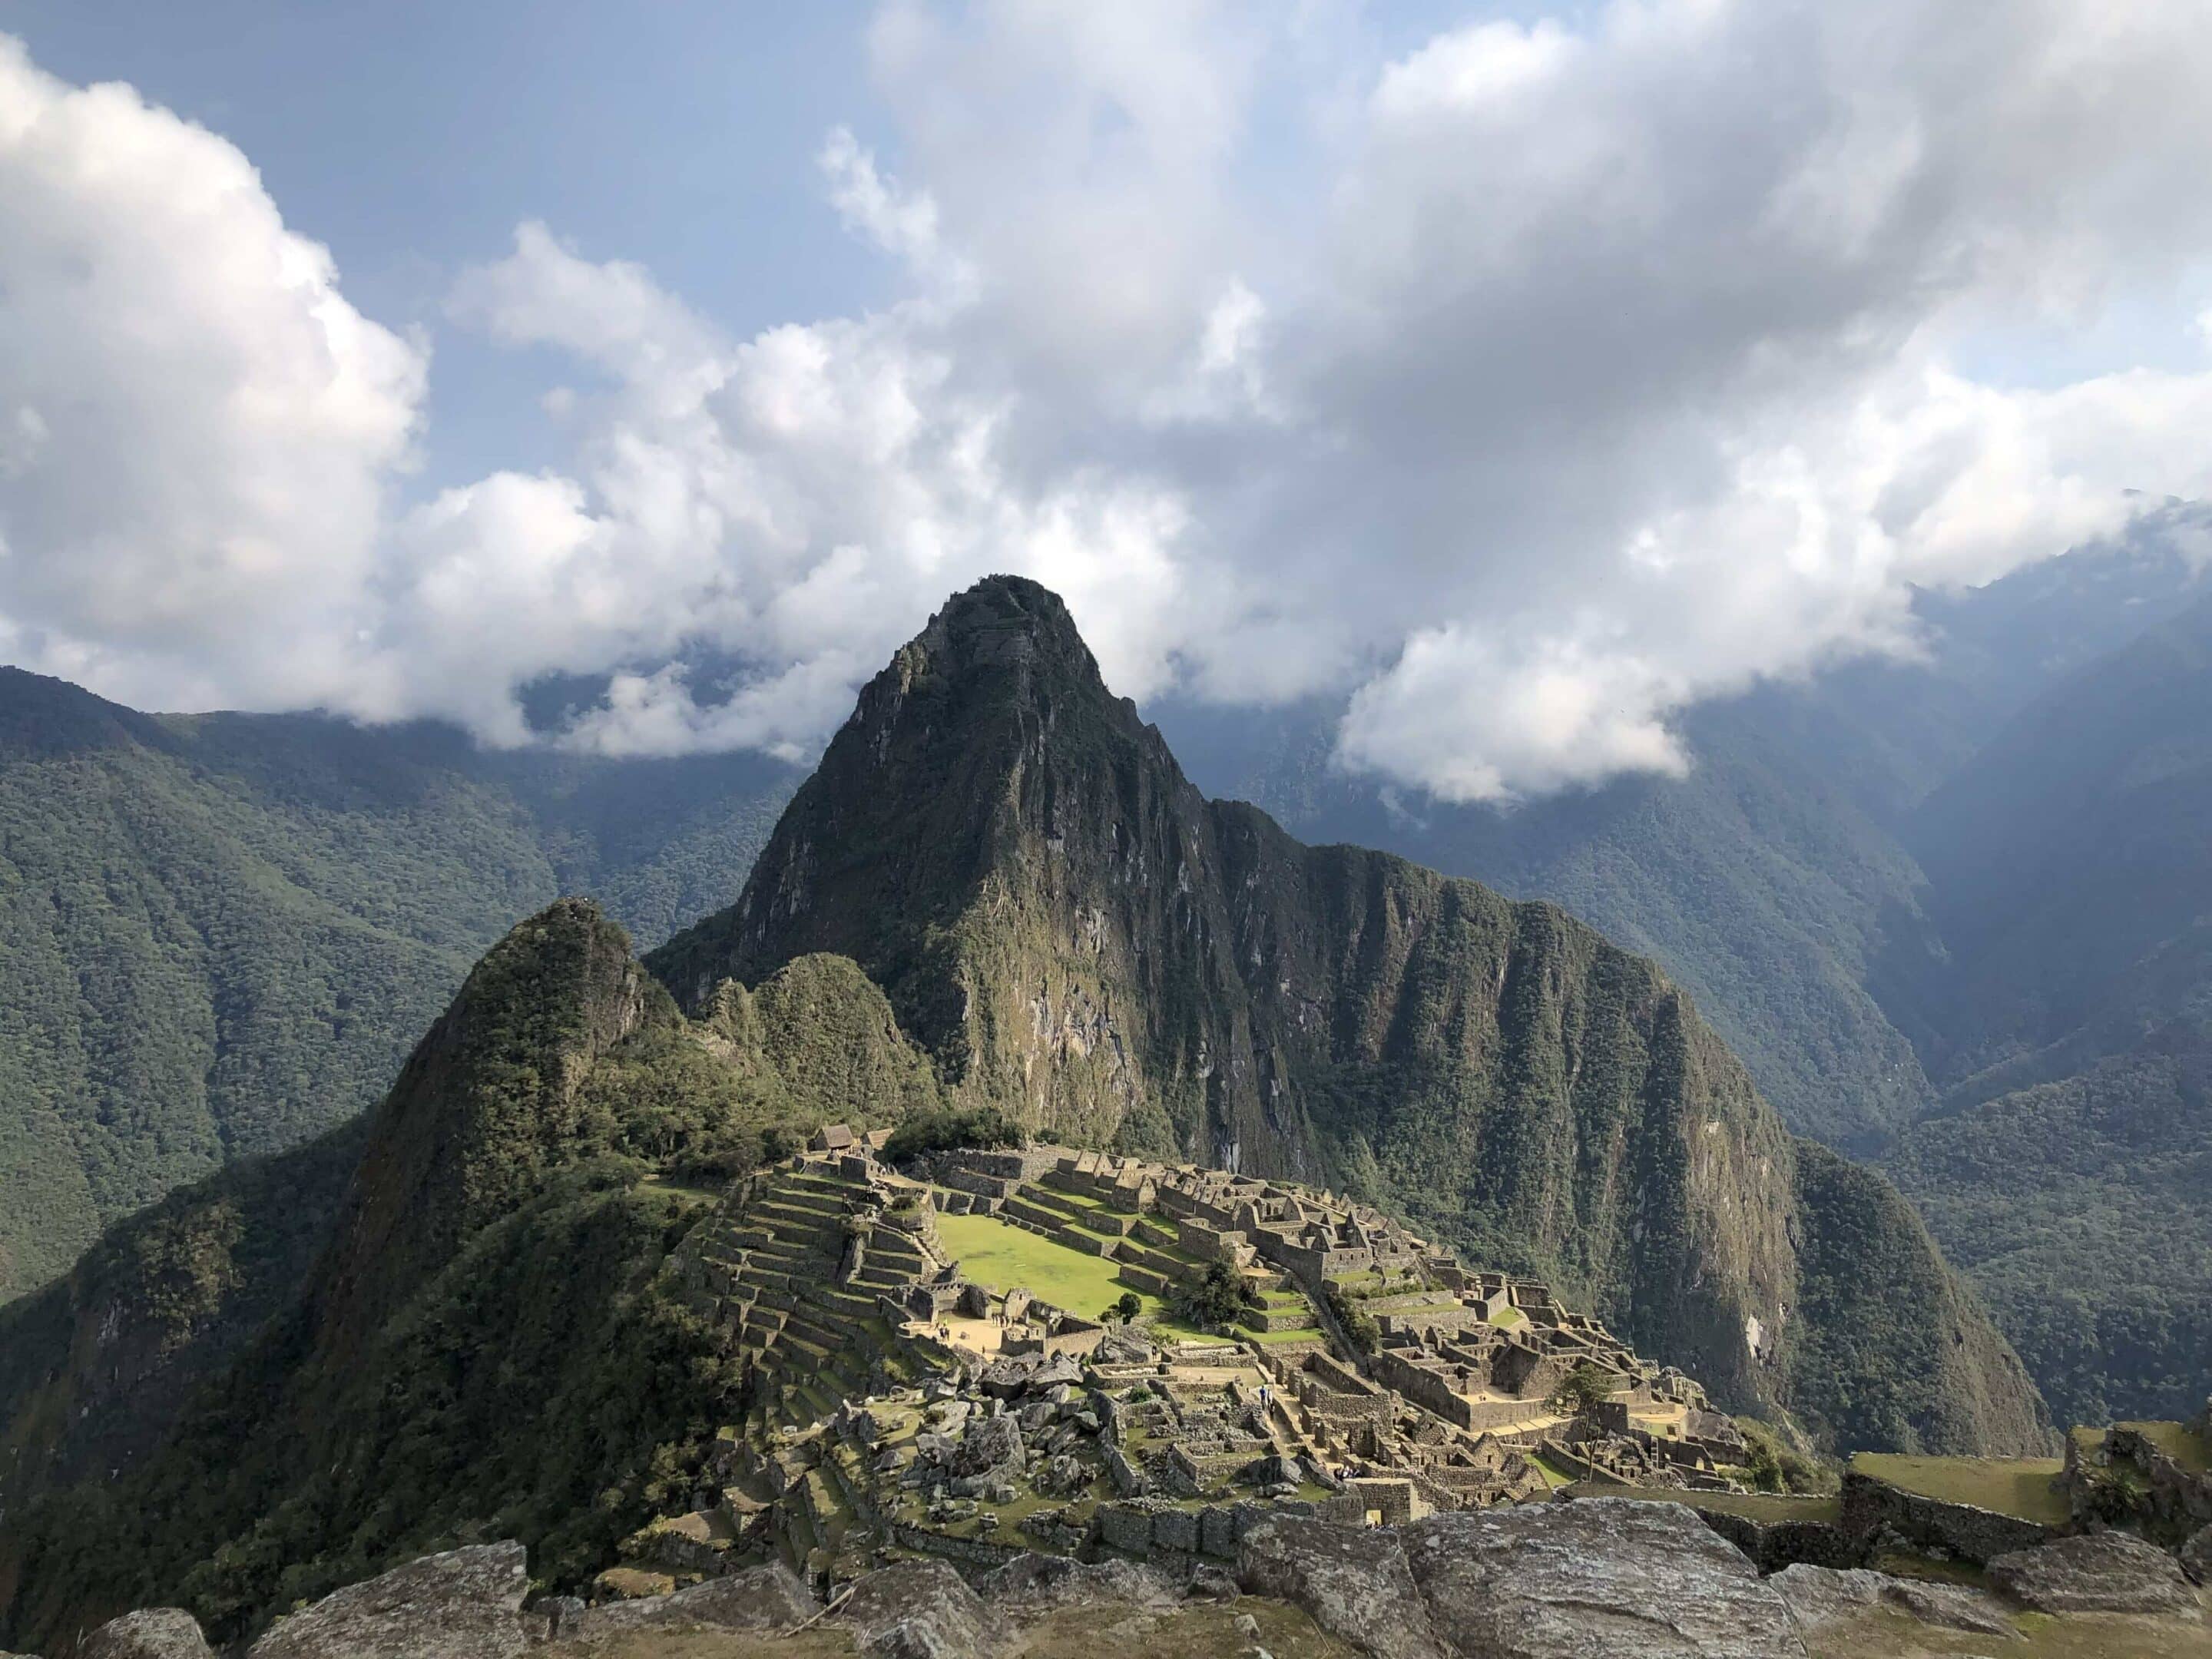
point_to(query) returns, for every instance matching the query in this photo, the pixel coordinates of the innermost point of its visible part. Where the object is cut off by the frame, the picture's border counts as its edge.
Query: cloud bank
(1520, 386)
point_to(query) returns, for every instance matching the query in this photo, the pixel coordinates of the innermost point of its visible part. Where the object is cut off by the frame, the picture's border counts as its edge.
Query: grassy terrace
(2186, 1448)
(1000, 1256)
(2018, 1487)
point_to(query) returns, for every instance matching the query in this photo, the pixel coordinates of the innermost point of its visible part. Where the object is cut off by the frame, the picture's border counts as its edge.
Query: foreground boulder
(1823, 1595)
(1599, 1575)
(767, 1598)
(153, 1633)
(465, 1604)
(2196, 1556)
(1031, 1585)
(1354, 1582)
(2098, 1572)
(918, 1610)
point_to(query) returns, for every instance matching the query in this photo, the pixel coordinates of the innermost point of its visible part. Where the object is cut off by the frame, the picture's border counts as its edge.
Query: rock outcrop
(1611, 1576)
(763, 1598)
(151, 1633)
(2096, 1572)
(464, 1604)
(1823, 1595)
(919, 1610)
(1356, 1583)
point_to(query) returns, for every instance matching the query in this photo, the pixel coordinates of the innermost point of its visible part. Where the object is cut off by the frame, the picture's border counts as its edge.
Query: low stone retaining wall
(1961, 1530)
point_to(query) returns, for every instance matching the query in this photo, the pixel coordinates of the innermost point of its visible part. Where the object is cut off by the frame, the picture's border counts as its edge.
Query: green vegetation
(946, 1128)
(1896, 1352)
(1771, 1465)
(219, 935)
(2081, 1209)
(1357, 1325)
(1211, 1300)
(500, 1256)
(2020, 1486)
(1582, 1391)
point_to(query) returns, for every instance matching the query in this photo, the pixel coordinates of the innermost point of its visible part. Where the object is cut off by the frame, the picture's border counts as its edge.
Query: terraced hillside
(993, 1351)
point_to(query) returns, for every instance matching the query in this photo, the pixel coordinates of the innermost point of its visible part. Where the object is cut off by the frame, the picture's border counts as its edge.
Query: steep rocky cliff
(1080, 938)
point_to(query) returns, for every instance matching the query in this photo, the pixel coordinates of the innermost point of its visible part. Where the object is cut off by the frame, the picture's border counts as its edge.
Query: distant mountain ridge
(219, 933)
(1905, 888)
(1083, 940)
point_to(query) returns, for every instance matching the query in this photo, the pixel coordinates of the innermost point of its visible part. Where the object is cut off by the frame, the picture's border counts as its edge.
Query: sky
(1511, 378)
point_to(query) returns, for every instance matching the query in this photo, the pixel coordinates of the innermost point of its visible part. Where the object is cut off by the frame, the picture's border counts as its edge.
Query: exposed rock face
(2100, 1572)
(1032, 1584)
(919, 1610)
(1610, 1575)
(465, 1604)
(1823, 1595)
(2195, 1556)
(765, 1598)
(1083, 940)
(152, 1634)
(1355, 1583)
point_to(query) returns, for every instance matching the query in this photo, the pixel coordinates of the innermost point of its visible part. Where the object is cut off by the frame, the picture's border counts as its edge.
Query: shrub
(1357, 1325)
(1582, 1390)
(1773, 1466)
(1210, 1301)
(943, 1131)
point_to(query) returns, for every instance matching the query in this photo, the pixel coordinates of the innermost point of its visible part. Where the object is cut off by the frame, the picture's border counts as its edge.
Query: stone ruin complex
(892, 1405)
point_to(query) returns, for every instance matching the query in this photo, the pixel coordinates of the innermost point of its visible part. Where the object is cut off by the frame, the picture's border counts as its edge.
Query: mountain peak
(1005, 639)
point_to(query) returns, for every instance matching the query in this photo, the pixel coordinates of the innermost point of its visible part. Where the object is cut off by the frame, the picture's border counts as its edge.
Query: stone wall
(1774, 1545)
(1960, 1530)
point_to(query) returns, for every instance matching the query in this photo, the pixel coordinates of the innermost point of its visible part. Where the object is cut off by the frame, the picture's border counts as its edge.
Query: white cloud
(196, 429)
(1521, 388)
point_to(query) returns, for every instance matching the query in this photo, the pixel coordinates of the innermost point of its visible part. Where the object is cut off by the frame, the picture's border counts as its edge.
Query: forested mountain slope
(220, 933)
(2070, 865)
(1080, 938)
(481, 1336)
(1906, 888)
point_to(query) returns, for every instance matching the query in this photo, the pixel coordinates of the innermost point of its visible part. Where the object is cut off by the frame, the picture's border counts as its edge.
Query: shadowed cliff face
(1082, 939)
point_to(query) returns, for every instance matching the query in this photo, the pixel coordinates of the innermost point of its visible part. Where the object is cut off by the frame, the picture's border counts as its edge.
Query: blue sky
(1511, 377)
(410, 139)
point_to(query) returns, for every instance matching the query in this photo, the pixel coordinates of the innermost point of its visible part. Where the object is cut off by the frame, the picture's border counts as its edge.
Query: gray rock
(1823, 1595)
(767, 1598)
(1122, 1347)
(2100, 1572)
(1060, 1369)
(1354, 1582)
(919, 1610)
(465, 1604)
(2196, 1556)
(1175, 1529)
(1210, 1583)
(1031, 1585)
(558, 1612)
(991, 1445)
(1613, 1576)
(151, 1633)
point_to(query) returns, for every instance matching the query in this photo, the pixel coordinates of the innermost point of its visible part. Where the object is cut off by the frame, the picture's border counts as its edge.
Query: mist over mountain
(1907, 892)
